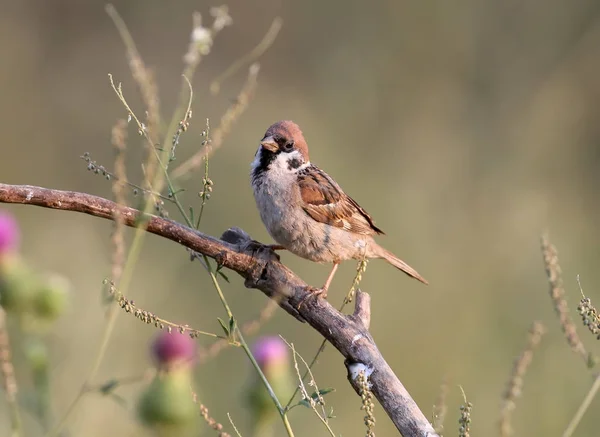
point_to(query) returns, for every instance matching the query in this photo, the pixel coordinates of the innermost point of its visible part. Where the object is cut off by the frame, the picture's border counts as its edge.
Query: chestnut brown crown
(285, 136)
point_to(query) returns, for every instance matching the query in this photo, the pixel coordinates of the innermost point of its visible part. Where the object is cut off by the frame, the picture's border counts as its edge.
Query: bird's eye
(288, 146)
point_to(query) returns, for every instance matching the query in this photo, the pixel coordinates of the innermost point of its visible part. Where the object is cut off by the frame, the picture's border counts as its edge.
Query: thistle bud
(173, 349)
(17, 285)
(273, 358)
(167, 405)
(9, 234)
(50, 298)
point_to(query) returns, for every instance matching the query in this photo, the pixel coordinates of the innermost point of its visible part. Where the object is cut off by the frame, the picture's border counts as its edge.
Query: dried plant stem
(252, 326)
(206, 181)
(440, 407)
(515, 383)
(145, 81)
(464, 421)
(305, 395)
(227, 121)
(360, 269)
(233, 424)
(155, 185)
(251, 57)
(367, 403)
(9, 382)
(210, 421)
(119, 136)
(557, 293)
(150, 318)
(226, 306)
(589, 314)
(237, 332)
(583, 407)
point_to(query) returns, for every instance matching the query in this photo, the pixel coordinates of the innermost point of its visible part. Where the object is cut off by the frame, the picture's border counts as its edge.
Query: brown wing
(325, 202)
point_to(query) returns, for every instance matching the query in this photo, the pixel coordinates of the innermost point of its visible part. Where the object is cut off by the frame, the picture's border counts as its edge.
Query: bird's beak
(269, 144)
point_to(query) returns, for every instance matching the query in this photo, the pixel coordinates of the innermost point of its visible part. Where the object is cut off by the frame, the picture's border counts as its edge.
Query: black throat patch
(294, 163)
(266, 158)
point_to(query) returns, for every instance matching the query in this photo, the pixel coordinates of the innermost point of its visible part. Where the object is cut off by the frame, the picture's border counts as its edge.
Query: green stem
(132, 257)
(583, 407)
(282, 411)
(63, 421)
(15, 417)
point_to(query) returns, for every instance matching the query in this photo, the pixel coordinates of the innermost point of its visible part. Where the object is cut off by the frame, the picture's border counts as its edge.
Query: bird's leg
(275, 247)
(323, 291)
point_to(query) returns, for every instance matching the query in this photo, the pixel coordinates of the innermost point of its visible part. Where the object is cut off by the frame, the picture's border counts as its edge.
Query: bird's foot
(313, 292)
(274, 248)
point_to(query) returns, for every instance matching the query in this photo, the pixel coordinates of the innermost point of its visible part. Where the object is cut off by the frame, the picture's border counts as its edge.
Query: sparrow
(306, 211)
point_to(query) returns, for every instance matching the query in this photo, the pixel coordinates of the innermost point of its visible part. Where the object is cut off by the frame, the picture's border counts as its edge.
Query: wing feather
(325, 202)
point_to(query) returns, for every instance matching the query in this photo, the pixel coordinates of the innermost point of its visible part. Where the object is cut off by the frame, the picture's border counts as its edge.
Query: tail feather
(401, 265)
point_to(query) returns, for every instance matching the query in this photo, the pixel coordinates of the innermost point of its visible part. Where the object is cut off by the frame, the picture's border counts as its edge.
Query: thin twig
(210, 421)
(233, 424)
(440, 408)
(146, 84)
(119, 136)
(587, 401)
(557, 293)
(150, 318)
(227, 121)
(514, 386)
(305, 395)
(251, 57)
(154, 185)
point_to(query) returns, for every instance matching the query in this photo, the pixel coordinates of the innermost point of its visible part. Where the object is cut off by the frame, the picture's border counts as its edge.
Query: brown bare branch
(362, 309)
(261, 269)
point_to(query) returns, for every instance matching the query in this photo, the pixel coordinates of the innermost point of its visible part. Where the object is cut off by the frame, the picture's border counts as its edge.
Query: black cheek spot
(294, 163)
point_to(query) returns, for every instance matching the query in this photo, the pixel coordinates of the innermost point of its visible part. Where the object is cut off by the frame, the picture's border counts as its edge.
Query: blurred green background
(465, 128)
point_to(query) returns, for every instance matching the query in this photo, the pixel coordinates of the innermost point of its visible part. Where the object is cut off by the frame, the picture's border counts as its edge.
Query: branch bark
(261, 269)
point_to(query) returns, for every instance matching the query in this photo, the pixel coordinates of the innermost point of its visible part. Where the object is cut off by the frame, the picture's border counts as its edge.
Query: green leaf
(224, 326)
(108, 386)
(315, 396)
(220, 273)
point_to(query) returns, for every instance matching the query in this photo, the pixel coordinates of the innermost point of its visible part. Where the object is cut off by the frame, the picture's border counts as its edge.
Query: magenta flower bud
(273, 356)
(9, 233)
(173, 348)
(271, 352)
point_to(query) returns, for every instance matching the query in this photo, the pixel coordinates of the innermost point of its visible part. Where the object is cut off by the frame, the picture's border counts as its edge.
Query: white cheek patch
(280, 165)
